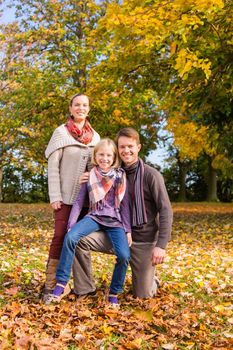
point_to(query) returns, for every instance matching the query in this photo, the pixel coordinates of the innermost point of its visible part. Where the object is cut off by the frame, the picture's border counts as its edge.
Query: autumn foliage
(192, 310)
(163, 67)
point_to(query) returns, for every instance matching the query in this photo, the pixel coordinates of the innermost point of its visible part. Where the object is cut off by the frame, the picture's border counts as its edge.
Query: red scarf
(84, 135)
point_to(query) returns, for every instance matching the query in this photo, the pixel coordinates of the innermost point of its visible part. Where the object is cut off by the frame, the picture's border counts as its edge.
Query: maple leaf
(12, 290)
(23, 343)
(66, 334)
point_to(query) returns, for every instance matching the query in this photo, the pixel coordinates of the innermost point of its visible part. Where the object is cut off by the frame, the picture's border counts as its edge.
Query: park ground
(193, 309)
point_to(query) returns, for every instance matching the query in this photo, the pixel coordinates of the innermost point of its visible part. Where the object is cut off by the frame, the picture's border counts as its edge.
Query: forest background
(162, 67)
(165, 68)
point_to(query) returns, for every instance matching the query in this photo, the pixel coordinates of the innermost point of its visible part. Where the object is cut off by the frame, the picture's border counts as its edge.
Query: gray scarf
(139, 216)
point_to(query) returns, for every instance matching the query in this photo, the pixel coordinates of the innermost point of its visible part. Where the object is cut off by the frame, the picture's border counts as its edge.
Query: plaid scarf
(100, 183)
(84, 136)
(137, 205)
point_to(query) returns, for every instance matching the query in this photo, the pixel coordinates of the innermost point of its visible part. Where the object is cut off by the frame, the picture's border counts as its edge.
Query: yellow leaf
(202, 327)
(134, 345)
(230, 320)
(117, 112)
(106, 329)
(173, 48)
(219, 308)
(144, 315)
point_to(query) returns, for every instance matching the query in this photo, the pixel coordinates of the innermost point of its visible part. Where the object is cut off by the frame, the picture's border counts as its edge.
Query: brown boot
(50, 281)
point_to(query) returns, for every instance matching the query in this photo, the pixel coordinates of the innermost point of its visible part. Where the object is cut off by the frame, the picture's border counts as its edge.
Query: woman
(69, 156)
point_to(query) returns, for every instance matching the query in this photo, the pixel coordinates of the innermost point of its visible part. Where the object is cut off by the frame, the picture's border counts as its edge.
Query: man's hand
(84, 178)
(158, 255)
(56, 205)
(129, 238)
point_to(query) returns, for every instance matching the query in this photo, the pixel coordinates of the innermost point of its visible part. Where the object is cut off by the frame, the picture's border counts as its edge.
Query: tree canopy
(147, 64)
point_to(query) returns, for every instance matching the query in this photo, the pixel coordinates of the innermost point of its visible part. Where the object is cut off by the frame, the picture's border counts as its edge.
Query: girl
(108, 211)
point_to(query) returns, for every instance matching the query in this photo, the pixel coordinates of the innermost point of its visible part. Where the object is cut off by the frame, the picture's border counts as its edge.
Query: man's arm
(165, 217)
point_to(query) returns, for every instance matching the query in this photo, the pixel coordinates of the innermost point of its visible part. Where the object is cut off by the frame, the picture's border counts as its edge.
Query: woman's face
(80, 108)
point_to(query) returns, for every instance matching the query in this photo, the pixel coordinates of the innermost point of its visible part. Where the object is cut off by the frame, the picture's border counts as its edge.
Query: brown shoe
(50, 280)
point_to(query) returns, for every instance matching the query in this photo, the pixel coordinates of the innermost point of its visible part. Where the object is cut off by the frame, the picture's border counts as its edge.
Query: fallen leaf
(23, 342)
(11, 291)
(144, 315)
(168, 346)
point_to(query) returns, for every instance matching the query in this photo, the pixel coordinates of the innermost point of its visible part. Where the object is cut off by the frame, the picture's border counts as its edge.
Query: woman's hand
(84, 178)
(56, 205)
(129, 238)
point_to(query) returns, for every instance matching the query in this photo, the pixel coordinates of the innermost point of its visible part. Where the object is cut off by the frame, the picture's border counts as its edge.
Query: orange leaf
(11, 291)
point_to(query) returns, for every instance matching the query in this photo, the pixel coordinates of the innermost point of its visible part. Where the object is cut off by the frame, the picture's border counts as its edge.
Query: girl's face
(105, 157)
(80, 108)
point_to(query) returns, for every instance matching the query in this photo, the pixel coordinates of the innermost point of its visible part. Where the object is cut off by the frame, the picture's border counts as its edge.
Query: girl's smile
(104, 158)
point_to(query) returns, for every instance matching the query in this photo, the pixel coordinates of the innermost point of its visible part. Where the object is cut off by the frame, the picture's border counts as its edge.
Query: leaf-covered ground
(193, 309)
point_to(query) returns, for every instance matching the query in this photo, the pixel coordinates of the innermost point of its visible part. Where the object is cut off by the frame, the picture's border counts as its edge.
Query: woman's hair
(128, 132)
(76, 95)
(110, 144)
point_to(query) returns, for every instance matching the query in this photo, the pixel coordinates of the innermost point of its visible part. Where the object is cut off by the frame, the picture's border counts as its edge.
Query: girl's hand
(84, 178)
(129, 238)
(56, 205)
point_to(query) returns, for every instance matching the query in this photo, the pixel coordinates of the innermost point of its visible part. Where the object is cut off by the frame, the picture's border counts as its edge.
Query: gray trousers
(143, 272)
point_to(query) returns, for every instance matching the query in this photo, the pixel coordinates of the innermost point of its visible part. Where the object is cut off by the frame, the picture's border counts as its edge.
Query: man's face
(128, 150)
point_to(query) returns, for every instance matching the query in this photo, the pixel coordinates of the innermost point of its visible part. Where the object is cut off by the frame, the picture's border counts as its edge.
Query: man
(151, 215)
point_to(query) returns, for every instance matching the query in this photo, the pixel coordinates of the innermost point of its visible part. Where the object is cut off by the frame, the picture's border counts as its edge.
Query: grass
(193, 309)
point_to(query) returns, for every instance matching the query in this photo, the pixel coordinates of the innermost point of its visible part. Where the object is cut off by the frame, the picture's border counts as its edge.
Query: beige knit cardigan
(68, 159)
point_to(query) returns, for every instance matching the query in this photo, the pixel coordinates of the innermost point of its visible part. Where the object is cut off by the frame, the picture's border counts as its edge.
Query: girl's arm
(77, 206)
(126, 218)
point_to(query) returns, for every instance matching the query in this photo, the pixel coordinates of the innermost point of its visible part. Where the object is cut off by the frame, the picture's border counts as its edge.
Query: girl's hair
(76, 95)
(110, 144)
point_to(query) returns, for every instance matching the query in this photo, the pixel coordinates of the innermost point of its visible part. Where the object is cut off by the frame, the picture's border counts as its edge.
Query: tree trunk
(183, 168)
(1, 178)
(212, 183)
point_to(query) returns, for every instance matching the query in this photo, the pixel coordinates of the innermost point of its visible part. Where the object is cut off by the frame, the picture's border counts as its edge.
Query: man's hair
(128, 132)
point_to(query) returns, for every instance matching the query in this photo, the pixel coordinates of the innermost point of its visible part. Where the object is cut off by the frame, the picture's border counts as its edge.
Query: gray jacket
(68, 159)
